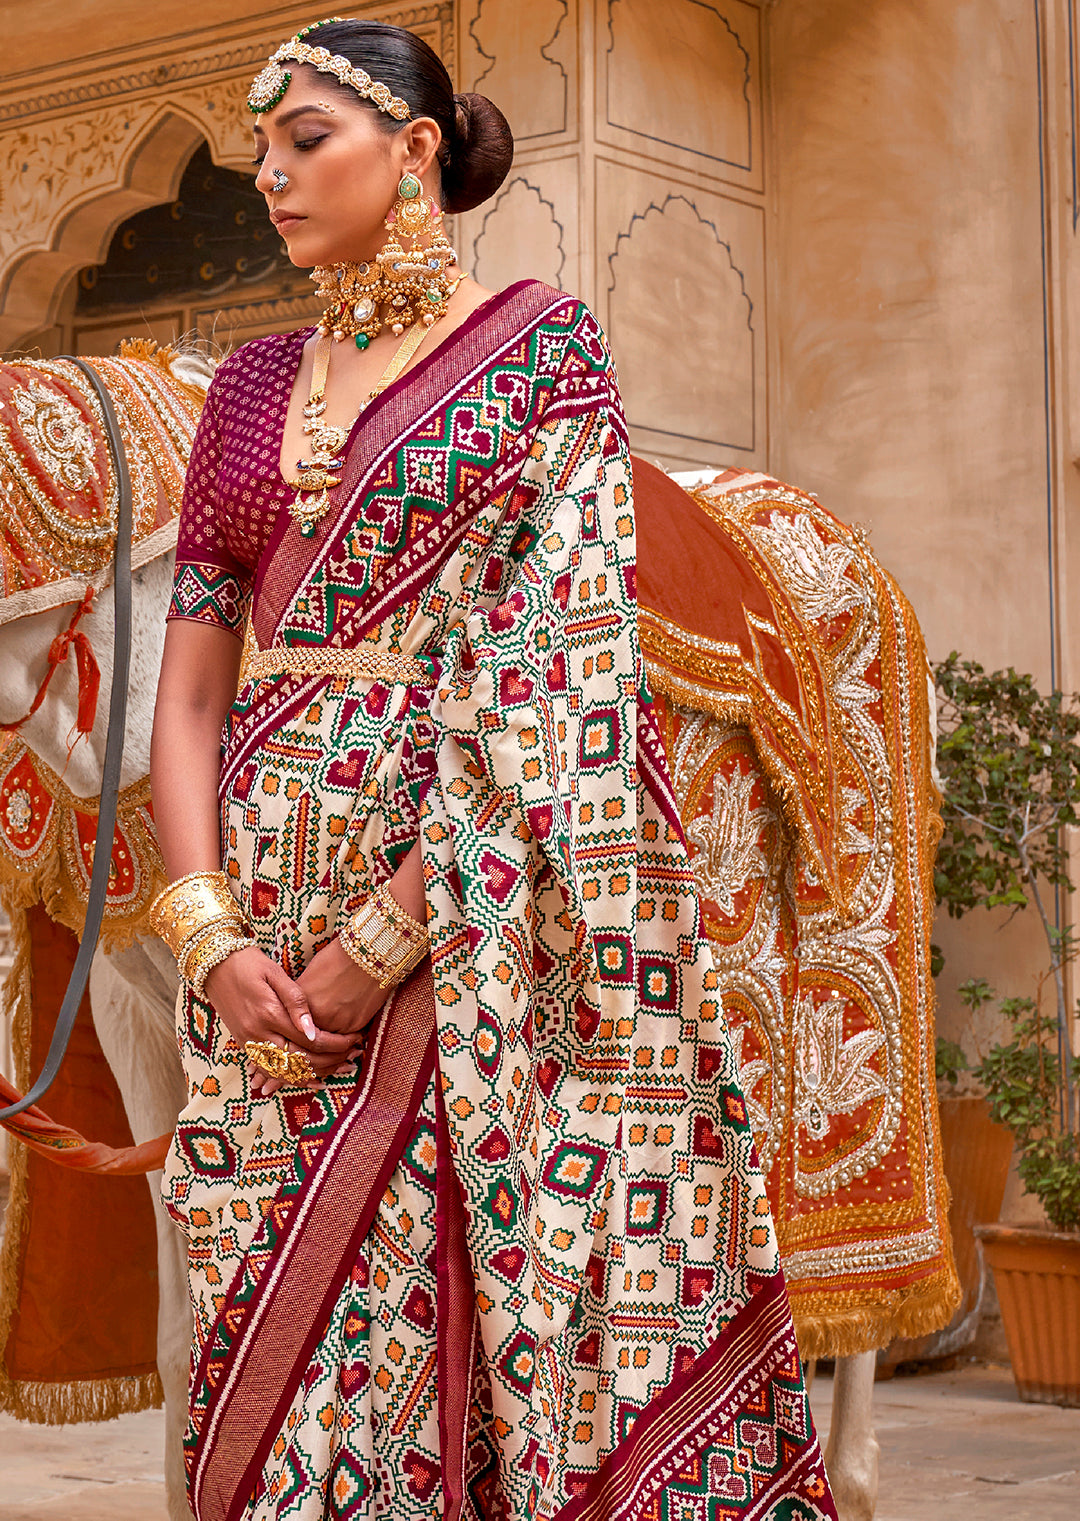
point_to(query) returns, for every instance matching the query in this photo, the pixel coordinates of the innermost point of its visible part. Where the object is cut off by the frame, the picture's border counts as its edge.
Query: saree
(520, 1262)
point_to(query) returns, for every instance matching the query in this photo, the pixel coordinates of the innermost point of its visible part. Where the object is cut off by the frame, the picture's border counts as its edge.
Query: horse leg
(851, 1457)
(133, 999)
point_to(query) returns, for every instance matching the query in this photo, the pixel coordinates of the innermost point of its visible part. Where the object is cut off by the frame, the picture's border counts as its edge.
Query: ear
(420, 139)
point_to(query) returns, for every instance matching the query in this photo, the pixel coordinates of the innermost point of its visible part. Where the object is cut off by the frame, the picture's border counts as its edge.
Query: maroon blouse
(234, 489)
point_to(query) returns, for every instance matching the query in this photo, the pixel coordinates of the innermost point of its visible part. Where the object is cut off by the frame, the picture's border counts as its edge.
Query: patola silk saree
(519, 1262)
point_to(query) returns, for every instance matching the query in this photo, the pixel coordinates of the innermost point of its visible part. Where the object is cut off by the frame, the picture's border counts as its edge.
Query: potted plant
(1009, 758)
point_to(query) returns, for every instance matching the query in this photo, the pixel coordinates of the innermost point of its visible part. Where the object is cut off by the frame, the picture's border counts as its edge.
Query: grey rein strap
(114, 753)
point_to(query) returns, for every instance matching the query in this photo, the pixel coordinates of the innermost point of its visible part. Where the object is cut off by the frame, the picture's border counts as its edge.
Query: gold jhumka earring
(398, 288)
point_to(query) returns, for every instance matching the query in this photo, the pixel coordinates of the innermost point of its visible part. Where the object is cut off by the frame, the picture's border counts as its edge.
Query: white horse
(133, 992)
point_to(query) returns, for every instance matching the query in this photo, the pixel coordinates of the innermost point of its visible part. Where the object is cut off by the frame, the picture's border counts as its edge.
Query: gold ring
(275, 1061)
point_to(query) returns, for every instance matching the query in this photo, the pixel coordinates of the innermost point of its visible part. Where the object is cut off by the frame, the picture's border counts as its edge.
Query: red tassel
(89, 683)
(87, 666)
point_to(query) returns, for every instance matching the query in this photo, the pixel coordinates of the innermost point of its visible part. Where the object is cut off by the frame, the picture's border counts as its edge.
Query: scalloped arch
(75, 182)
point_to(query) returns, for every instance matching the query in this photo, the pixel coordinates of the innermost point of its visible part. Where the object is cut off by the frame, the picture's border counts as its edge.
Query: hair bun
(481, 153)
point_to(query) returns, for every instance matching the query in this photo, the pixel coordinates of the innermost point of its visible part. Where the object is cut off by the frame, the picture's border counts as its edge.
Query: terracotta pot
(1037, 1273)
(976, 1154)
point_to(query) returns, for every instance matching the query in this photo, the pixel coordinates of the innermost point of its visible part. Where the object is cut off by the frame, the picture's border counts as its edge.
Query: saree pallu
(521, 1263)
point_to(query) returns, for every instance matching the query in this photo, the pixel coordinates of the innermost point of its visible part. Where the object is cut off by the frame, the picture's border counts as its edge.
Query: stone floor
(959, 1446)
(954, 1447)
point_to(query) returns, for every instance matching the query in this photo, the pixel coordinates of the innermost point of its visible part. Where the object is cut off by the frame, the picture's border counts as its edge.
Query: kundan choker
(398, 288)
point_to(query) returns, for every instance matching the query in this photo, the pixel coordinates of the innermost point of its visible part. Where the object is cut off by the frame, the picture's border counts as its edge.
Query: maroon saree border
(289, 558)
(297, 1291)
(697, 1405)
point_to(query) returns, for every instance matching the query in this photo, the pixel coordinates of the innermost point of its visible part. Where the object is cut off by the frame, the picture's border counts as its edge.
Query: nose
(264, 180)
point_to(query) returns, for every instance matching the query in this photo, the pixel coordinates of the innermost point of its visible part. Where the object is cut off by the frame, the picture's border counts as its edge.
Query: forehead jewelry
(269, 86)
(281, 179)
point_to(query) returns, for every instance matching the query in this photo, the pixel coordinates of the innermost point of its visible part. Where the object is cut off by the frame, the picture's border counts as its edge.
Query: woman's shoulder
(565, 320)
(249, 367)
(546, 302)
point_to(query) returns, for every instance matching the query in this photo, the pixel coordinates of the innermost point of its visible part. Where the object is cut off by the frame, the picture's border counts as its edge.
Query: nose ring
(281, 179)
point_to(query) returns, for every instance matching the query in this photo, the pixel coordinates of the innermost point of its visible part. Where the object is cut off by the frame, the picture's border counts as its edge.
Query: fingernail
(307, 1024)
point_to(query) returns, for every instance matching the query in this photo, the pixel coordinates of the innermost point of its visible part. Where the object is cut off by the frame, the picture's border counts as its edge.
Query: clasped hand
(322, 1013)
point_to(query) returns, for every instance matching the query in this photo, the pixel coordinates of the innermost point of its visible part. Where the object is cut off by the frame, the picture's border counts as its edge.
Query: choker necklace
(315, 478)
(398, 288)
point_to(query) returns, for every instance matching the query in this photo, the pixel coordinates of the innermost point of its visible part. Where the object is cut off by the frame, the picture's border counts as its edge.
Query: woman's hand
(256, 999)
(340, 995)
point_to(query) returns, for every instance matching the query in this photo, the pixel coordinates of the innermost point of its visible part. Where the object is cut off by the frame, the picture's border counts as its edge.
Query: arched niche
(208, 261)
(663, 61)
(77, 229)
(676, 290)
(70, 182)
(520, 235)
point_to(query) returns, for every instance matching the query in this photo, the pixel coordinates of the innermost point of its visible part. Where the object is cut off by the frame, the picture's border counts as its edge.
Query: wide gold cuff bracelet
(190, 905)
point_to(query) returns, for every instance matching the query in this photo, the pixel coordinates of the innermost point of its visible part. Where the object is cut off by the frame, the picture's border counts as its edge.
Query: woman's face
(343, 170)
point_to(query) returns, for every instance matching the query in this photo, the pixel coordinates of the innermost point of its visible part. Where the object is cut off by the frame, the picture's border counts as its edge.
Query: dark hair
(477, 145)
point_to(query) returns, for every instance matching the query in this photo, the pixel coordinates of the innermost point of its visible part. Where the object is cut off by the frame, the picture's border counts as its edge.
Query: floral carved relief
(48, 169)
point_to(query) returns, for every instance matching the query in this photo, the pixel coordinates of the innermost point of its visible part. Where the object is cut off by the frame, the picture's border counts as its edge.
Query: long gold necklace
(315, 479)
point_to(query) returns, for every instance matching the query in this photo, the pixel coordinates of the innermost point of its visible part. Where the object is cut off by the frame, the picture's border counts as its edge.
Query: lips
(283, 220)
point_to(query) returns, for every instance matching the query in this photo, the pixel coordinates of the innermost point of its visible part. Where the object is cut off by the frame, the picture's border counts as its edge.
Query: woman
(475, 1226)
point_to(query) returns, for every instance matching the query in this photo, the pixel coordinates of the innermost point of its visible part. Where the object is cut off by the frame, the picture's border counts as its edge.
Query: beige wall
(908, 289)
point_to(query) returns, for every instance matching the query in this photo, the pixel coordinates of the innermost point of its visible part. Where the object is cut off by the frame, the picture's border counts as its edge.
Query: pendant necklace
(315, 479)
(407, 291)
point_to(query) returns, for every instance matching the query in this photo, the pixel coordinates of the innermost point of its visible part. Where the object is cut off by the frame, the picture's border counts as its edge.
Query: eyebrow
(283, 121)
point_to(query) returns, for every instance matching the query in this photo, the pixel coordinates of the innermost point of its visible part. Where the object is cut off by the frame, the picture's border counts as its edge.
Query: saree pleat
(574, 1203)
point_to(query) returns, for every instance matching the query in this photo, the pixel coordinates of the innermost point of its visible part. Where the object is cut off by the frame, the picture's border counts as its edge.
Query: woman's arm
(253, 994)
(199, 671)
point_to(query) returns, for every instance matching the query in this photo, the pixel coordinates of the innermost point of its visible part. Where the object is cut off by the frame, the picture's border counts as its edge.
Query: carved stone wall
(639, 183)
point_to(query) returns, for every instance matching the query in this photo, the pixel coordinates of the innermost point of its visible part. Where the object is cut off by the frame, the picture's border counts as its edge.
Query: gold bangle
(384, 939)
(190, 904)
(210, 951)
(275, 1061)
(220, 922)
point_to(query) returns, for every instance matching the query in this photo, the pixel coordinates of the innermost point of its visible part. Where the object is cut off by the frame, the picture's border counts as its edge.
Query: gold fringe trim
(50, 882)
(864, 1328)
(92, 1399)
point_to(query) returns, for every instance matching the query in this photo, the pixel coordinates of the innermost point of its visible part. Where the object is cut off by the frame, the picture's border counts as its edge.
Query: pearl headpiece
(269, 86)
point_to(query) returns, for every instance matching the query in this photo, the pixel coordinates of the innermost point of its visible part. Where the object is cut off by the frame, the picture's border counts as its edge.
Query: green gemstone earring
(409, 187)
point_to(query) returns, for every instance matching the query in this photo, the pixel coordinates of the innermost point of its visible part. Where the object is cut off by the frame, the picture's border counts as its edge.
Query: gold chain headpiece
(269, 86)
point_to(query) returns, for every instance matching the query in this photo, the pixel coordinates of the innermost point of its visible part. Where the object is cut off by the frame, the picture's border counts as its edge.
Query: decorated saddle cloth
(791, 692)
(78, 1289)
(521, 1263)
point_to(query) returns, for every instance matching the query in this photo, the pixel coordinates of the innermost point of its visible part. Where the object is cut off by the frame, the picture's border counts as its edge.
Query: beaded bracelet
(384, 939)
(210, 951)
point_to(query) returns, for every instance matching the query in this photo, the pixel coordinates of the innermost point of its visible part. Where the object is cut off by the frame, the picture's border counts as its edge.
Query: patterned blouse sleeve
(210, 584)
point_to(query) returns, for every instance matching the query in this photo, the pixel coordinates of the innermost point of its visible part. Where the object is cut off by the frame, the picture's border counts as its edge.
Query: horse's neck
(24, 647)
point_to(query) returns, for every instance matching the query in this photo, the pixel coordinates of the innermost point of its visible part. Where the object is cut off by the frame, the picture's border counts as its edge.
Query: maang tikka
(399, 287)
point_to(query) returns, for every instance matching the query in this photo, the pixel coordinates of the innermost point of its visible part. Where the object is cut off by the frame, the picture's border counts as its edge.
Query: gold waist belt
(369, 665)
